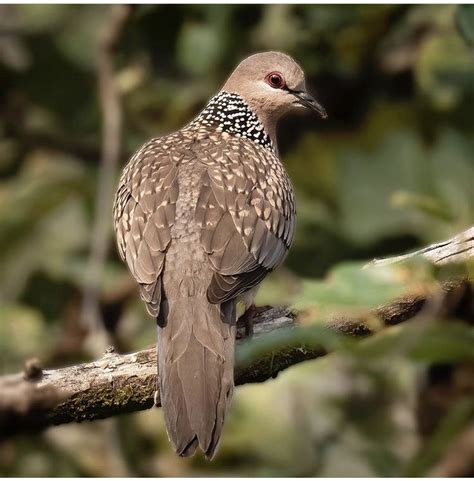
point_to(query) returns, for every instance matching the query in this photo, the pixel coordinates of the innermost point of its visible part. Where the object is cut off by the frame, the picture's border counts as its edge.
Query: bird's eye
(275, 80)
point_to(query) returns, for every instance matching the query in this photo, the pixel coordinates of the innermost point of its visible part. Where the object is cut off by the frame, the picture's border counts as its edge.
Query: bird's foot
(246, 320)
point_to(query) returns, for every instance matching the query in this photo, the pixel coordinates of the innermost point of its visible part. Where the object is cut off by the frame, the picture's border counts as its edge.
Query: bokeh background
(391, 170)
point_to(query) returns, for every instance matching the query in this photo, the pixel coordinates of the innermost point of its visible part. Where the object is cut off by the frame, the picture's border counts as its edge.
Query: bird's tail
(196, 373)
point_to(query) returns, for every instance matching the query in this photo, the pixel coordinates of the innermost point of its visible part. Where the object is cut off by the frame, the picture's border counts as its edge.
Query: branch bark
(123, 383)
(458, 249)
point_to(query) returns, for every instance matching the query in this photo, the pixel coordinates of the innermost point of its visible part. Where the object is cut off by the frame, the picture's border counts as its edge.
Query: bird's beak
(310, 102)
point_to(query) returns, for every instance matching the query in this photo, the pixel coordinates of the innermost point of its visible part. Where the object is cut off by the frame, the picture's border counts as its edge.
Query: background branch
(459, 248)
(109, 97)
(110, 104)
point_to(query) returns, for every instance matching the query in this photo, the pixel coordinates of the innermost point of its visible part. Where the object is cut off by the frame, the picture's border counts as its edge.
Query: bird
(201, 216)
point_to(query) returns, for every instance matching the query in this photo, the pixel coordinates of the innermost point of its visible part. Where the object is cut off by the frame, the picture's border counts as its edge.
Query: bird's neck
(230, 113)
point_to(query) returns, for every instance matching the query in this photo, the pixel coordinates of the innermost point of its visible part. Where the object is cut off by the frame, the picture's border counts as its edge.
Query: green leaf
(316, 338)
(426, 204)
(445, 70)
(422, 340)
(465, 22)
(348, 286)
(198, 48)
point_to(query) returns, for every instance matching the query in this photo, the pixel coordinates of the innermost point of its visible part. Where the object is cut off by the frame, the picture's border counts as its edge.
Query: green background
(391, 170)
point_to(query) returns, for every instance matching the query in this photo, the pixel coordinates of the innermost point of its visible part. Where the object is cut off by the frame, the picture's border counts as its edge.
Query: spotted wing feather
(246, 212)
(144, 212)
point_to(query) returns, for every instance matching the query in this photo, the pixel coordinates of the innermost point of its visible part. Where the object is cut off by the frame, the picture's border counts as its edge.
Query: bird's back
(202, 215)
(178, 189)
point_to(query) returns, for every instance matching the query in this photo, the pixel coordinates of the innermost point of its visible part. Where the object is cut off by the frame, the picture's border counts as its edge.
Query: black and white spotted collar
(230, 112)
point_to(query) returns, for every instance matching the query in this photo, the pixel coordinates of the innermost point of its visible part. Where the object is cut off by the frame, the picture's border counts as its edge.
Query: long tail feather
(196, 371)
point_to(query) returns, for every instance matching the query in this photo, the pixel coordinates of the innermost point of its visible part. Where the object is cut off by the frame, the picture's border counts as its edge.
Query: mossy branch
(123, 383)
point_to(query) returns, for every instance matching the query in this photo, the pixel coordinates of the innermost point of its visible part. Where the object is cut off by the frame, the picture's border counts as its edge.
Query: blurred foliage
(391, 169)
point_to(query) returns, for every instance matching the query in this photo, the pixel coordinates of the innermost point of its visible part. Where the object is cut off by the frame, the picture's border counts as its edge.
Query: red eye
(275, 80)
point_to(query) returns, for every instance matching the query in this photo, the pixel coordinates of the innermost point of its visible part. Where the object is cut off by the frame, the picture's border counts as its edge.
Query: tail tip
(190, 448)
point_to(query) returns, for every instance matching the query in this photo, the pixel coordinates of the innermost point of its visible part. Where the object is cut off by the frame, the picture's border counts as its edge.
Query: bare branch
(23, 402)
(122, 383)
(458, 249)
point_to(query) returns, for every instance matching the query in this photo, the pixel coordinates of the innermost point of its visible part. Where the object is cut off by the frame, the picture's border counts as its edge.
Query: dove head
(273, 85)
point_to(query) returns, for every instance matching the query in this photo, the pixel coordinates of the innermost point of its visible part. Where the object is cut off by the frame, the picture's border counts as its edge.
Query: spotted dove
(202, 216)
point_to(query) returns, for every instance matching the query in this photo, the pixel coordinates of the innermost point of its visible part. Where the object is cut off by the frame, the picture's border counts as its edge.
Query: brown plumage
(202, 215)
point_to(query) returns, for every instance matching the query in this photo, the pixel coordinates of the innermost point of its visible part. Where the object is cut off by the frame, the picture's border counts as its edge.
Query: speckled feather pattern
(221, 174)
(230, 113)
(201, 216)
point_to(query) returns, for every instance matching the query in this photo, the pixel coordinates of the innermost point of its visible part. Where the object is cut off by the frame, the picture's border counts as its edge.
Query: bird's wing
(246, 213)
(144, 212)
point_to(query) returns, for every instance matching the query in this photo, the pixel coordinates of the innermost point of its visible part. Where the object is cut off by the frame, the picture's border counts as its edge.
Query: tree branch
(123, 383)
(110, 103)
(459, 248)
